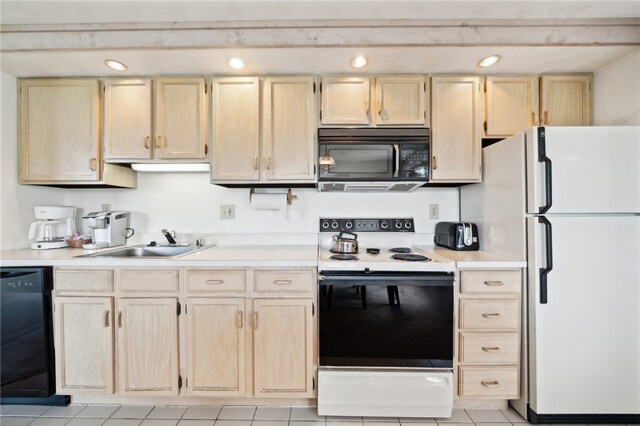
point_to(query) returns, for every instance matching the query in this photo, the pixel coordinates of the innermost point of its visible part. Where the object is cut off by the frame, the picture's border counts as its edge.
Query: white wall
(188, 203)
(16, 201)
(616, 92)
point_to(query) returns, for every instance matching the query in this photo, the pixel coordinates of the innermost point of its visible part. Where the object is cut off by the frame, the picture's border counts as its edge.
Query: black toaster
(457, 235)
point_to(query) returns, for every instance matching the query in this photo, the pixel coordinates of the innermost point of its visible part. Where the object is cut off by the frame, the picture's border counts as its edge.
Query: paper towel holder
(290, 195)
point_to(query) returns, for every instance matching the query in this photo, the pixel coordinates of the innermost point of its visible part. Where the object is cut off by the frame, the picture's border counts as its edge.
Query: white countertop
(477, 259)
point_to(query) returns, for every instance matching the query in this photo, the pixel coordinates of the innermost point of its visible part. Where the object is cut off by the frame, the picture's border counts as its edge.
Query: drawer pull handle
(281, 282)
(492, 315)
(120, 319)
(255, 320)
(490, 384)
(107, 314)
(240, 319)
(494, 283)
(491, 348)
(215, 281)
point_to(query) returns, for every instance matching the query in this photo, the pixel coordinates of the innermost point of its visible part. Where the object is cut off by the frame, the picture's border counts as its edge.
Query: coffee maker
(54, 225)
(108, 229)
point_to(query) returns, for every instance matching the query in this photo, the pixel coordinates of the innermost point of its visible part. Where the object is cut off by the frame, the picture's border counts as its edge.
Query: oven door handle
(396, 149)
(435, 280)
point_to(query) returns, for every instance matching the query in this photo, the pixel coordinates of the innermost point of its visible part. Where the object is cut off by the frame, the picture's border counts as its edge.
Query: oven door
(358, 161)
(386, 319)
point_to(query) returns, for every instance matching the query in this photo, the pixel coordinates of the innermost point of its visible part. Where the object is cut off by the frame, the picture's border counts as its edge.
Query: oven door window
(404, 324)
(358, 161)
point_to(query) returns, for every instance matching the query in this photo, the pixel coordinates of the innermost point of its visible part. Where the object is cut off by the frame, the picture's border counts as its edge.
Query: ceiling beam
(305, 34)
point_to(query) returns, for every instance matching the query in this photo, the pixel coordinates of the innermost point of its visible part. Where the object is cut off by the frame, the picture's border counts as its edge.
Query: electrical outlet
(228, 211)
(106, 207)
(434, 211)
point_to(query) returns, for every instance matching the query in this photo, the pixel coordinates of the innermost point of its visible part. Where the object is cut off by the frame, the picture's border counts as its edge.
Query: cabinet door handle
(206, 148)
(490, 384)
(255, 163)
(491, 348)
(93, 163)
(492, 315)
(435, 163)
(119, 319)
(494, 283)
(255, 320)
(281, 282)
(107, 315)
(533, 118)
(269, 163)
(546, 117)
(215, 282)
(380, 108)
(146, 141)
(240, 319)
(366, 106)
(159, 142)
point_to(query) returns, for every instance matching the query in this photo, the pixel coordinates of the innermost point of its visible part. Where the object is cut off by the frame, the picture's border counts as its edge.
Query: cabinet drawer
(496, 348)
(156, 281)
(495, 382)
(211, 280)
(84, 280)
(477, 314)
(490, 281)
(284, 281)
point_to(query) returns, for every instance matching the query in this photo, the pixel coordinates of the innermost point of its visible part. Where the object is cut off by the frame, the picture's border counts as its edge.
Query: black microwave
(373, 154)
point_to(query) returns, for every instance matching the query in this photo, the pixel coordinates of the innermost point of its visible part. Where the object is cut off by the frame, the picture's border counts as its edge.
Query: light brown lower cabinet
(148, 346)
(84, 345)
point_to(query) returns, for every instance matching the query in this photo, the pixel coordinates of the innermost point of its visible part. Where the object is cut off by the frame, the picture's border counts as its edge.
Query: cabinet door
(345, 100)
(283, 344)
(236, 128)
(180, 118)
(216, 345)
(127, 119)
(400, 100)
(289, 128)
(148, 346)
(84, 345)
(566, 100)
(59, 130)
(456, 129)
(512, 105)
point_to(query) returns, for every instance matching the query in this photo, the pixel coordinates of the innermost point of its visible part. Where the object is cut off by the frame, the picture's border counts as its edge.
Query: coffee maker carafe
(54, 225)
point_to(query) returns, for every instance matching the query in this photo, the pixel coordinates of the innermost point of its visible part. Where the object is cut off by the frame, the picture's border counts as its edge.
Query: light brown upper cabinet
(512, 105)
(400, 100)
(565, 100)
(178, 130)
(394, 100)
(60, 135)
(456, 119)
(278, 148)
(345, 100)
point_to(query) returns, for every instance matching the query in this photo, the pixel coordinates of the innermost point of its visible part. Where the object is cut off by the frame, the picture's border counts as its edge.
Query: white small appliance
(567, 200)
(52, 227)
(108, 229)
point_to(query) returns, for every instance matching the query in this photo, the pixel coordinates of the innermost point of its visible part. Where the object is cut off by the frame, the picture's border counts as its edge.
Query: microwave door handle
(396, 149)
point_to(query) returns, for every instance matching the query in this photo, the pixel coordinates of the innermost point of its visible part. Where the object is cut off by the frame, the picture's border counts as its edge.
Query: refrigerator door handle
(548, 261)
(542, 158)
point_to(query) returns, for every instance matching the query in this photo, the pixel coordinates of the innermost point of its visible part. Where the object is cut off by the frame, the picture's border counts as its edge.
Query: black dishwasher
(26, 337)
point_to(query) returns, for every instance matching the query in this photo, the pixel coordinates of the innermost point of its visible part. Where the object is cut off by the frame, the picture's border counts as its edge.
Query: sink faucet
(169, 236)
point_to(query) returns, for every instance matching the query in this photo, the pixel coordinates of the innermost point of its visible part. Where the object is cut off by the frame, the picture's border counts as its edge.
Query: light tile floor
(130, 415)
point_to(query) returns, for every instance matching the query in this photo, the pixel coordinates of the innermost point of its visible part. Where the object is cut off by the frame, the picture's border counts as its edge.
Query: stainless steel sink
(144, 251)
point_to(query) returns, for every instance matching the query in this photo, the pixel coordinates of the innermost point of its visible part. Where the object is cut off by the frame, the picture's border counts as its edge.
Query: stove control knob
(334, 225)
(407, 225)
(348, 224)
(398, 225)
(384, 225)
(325, 225)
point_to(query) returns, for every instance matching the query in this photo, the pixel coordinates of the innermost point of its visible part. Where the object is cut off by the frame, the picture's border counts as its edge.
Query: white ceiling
(76, 22)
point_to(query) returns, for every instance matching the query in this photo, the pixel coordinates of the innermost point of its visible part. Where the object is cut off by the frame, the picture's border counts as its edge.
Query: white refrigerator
(567, 200)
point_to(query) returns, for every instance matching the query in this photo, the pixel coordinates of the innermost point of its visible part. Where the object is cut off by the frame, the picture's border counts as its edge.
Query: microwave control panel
(414, 161)
(367, 225)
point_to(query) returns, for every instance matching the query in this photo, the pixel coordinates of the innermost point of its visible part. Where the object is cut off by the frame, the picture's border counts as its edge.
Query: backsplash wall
(188, 203)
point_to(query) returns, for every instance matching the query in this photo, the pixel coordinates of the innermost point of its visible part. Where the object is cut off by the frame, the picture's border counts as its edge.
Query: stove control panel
(367, 225)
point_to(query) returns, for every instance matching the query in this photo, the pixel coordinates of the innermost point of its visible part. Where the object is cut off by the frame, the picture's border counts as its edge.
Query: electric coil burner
(385, 322)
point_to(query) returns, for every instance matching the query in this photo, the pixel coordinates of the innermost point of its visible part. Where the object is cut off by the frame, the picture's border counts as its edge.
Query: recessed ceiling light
(489, 60)
(359, 62)
(236, 63)
(115, 65)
